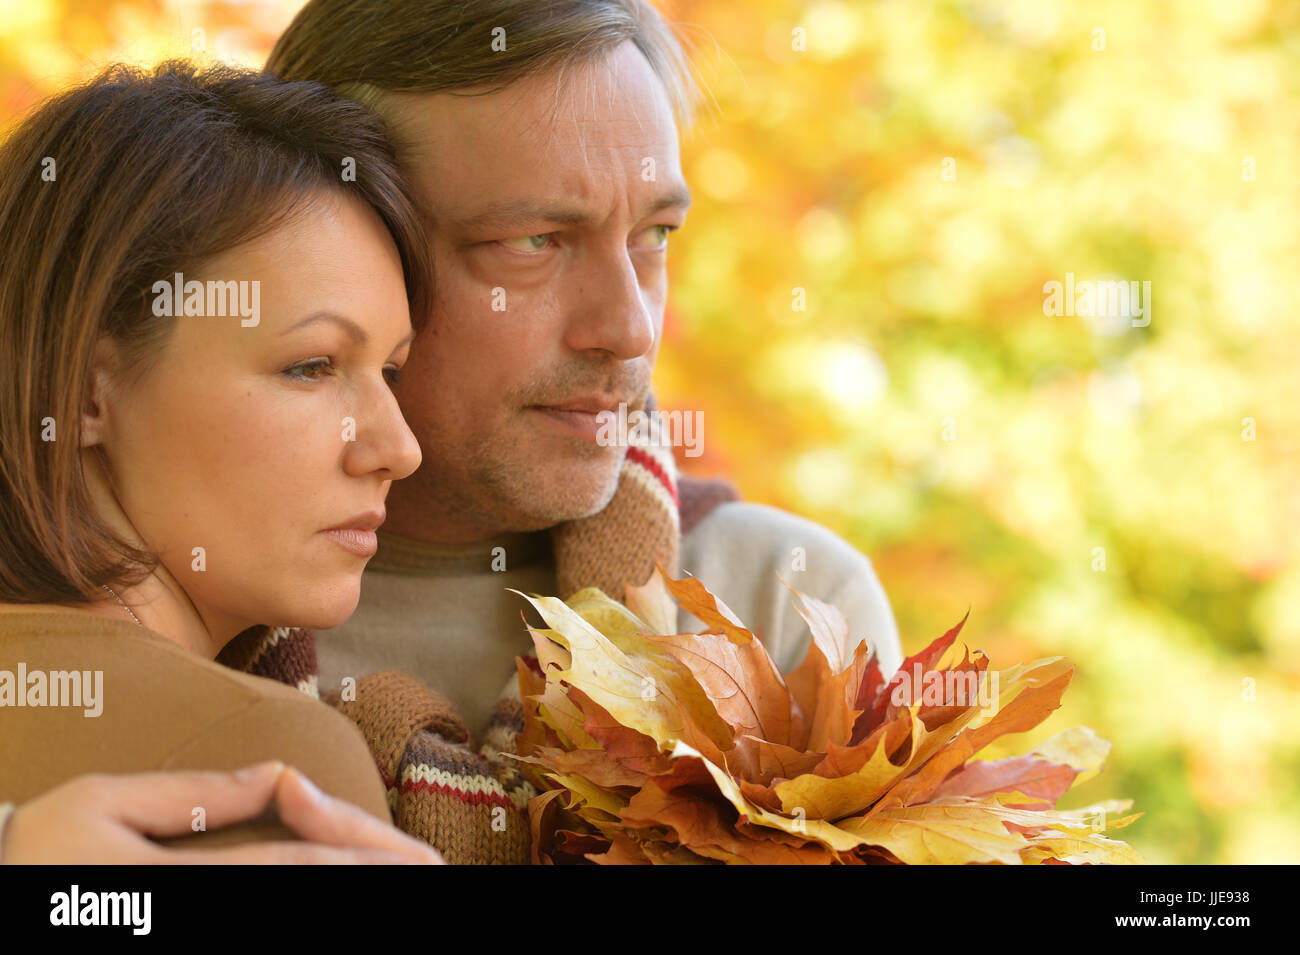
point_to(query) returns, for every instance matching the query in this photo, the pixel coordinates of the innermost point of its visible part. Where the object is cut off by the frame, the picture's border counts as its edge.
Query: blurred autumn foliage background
(911, 173)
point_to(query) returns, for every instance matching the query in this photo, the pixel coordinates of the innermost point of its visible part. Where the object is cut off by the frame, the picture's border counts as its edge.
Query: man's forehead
(613, 102)
(444, 125)
(505, 171)
(581, 137)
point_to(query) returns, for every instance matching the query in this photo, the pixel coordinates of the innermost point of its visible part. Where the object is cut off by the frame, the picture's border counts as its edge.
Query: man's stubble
(500, 487)
(498, 480)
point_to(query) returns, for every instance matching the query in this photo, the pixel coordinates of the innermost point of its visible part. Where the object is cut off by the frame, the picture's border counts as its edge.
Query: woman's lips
(359, 542)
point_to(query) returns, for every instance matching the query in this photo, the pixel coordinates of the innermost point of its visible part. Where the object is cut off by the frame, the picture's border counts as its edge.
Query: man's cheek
(476, 271)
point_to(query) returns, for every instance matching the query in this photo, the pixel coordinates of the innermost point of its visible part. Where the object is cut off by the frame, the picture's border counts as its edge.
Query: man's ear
(96, 402)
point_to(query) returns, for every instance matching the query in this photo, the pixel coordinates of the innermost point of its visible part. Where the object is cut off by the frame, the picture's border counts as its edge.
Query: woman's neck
(159, 602)
(161, 605)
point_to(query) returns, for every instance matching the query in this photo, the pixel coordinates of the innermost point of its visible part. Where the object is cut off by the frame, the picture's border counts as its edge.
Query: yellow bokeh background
(882, 190)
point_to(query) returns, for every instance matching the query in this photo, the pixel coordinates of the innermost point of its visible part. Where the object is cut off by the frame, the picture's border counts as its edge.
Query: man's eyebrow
(506, 212)
(357, 333)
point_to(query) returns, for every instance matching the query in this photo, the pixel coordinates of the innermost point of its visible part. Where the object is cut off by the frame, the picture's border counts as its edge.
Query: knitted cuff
(390, 708)
(471, 808)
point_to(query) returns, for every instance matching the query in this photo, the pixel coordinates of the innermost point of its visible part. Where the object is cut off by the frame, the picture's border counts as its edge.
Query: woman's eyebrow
(358, 334)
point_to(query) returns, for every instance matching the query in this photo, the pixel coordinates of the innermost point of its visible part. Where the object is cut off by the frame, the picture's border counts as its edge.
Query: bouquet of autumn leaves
(651, 746)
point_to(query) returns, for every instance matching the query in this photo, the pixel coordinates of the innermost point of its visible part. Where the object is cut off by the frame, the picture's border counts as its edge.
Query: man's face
(550, 212)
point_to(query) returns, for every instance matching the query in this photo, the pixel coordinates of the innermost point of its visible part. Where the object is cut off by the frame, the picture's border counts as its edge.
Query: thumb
(320, 818)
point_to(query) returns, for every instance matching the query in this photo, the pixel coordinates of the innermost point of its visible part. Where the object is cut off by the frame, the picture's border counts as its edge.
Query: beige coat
(140, 703)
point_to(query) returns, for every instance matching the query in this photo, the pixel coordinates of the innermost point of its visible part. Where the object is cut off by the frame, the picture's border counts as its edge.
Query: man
(541, 139)
(550, 194)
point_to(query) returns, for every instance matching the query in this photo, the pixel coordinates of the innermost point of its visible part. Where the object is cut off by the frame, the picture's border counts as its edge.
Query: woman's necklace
(122, 602)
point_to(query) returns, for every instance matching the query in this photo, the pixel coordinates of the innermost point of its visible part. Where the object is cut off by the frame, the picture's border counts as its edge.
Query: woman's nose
(384, 441)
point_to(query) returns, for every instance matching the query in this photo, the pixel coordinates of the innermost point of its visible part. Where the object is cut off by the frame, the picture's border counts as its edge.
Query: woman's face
(253, 435)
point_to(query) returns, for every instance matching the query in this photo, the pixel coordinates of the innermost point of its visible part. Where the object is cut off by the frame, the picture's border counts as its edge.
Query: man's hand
(104, 819)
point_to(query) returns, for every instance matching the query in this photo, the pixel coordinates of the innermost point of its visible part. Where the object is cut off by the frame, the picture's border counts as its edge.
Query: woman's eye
(392, 375)
(528, 243)
(312, 370)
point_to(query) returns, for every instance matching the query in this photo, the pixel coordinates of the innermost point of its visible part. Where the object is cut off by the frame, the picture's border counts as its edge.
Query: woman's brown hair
(107, 189)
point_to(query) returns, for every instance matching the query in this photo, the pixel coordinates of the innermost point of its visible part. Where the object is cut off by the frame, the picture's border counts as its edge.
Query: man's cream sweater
(446, 614)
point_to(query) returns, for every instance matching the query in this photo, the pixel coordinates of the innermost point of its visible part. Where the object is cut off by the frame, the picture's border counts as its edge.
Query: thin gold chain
(122, 602)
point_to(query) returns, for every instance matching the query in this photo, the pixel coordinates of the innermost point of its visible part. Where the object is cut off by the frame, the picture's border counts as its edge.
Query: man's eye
(664, 233)
(309, 370)
(658, 235)
(529, 243)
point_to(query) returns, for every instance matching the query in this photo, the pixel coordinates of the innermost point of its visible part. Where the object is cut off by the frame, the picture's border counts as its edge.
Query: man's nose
(609, 310)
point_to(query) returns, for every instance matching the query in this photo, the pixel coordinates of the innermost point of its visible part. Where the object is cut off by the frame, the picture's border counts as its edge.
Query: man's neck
(421, 513)
(398, 554)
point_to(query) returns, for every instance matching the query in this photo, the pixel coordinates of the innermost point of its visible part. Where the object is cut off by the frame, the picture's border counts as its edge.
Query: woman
(203, 304)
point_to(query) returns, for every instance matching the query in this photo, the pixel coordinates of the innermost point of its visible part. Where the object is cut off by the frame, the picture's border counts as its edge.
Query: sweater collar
(406, 555)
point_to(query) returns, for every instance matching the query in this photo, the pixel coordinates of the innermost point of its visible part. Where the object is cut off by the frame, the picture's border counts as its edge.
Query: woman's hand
(105, 819)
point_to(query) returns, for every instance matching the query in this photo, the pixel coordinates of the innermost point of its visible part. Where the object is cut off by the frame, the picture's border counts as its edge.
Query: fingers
(163, 804)
(100, 818)
(319, 818)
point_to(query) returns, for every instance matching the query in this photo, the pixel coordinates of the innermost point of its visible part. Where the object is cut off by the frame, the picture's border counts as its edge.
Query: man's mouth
(586, 404)
(587, 418)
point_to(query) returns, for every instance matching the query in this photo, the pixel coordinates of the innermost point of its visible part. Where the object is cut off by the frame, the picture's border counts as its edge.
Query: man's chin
(567, 494)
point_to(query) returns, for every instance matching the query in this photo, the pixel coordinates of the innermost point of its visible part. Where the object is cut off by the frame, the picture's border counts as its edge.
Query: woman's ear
(96, 402)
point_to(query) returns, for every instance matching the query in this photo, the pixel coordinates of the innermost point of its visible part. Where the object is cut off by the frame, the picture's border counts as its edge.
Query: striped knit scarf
(463, 797)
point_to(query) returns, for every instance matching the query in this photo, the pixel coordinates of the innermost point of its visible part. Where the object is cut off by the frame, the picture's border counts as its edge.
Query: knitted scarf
(463, 796)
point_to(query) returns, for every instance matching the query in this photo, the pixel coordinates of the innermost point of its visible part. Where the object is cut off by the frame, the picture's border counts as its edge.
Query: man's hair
(107, 189)
(365, 48)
